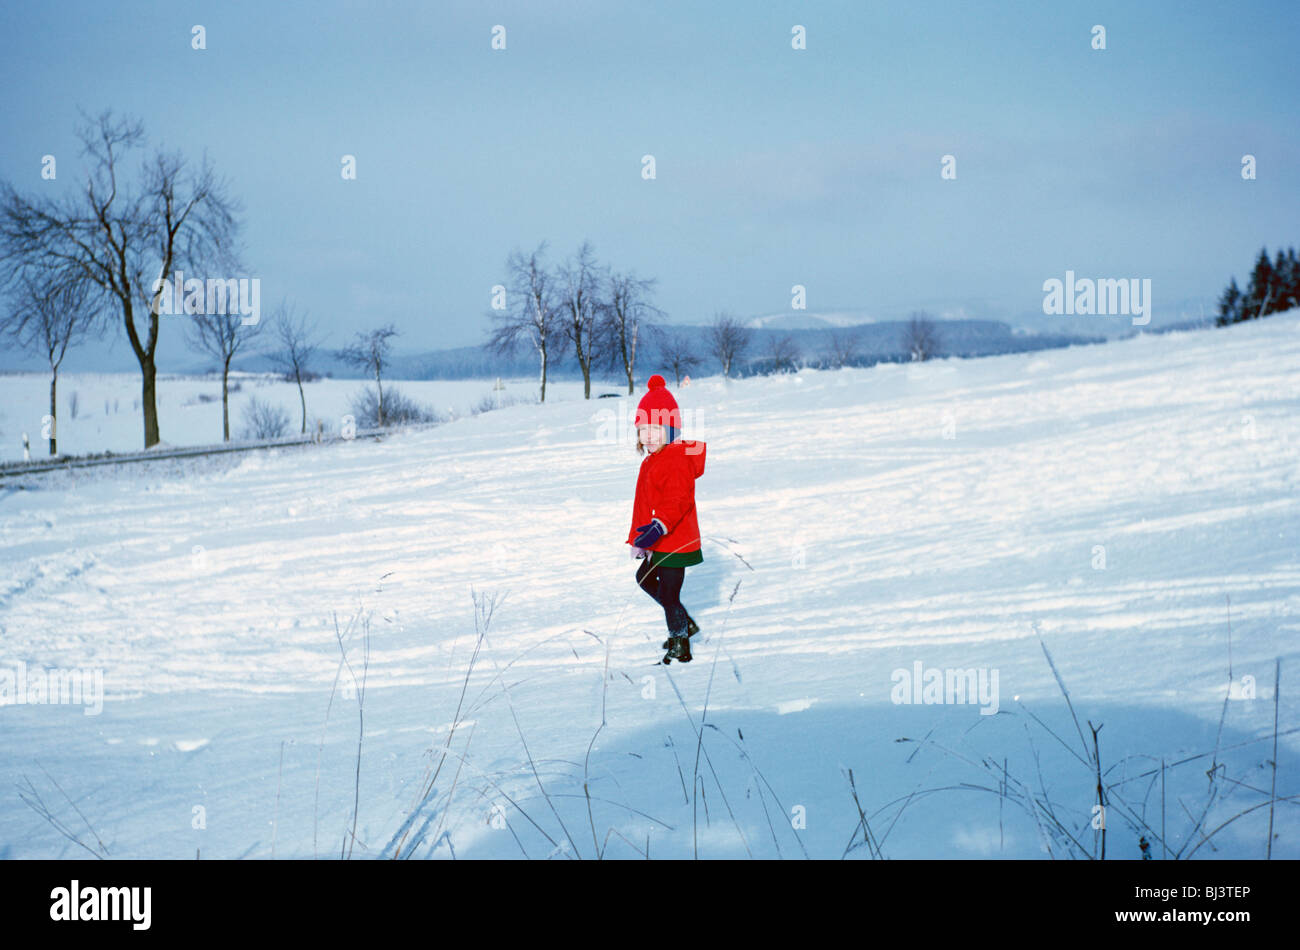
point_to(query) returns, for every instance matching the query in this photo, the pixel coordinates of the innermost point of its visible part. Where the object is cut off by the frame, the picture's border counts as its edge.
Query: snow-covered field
(1137, 503)
(107, 417)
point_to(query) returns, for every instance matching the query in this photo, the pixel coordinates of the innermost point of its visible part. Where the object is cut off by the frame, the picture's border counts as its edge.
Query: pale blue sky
(775, 167)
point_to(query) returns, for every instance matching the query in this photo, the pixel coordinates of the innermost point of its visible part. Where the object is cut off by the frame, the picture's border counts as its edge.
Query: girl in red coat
(665, 531)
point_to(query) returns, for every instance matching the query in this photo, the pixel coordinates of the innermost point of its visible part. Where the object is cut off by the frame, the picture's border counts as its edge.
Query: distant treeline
(861, 345)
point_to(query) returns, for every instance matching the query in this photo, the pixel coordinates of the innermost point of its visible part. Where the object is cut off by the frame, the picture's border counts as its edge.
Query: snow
(857, 523)
(108, 416)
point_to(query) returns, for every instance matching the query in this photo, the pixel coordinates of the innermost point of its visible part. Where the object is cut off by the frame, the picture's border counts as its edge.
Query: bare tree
(51, 313)
(369, 351)
(844, 347)
(586, 316)
(677, 352)
(784, 353)
(537, 317)
(729, 339)
(221, 336)
(920, 337)
(627, 306)
(127, 239)
(264, 420)
(298, 345)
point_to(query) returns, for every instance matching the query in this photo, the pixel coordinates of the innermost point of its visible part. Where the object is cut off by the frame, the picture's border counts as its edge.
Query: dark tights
(664, 584)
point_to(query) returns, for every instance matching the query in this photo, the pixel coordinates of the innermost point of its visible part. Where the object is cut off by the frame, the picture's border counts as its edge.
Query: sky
(775, 167)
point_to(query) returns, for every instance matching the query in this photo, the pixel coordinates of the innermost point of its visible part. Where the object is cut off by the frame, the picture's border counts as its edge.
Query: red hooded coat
(665, 489)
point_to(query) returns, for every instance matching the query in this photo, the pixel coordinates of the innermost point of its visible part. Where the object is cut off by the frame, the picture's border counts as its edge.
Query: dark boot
(692, 628)
(679, 649)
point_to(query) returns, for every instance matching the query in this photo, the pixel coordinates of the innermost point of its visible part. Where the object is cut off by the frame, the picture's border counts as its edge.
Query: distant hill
(878, 342)
(809, 321)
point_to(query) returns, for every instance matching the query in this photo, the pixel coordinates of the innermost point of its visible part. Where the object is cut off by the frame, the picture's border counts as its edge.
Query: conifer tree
(1260, 290)
(1229, 305)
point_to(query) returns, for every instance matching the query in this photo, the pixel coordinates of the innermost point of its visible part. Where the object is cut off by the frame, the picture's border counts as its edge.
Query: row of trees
(1274, 286)
(919, 340)
(595, 314)
(75, 265)
(580, 307)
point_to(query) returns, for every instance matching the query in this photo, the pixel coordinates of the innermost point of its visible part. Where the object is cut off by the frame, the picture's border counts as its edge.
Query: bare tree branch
(50, 312)
(920, 337)
(222, 336)
(536, 318)
(844, 348)
(369, 351)
(784, 353)
(299, 342)
(677, 351)
(627, 307)
(125, 237)
(729, 339)
(586, 321)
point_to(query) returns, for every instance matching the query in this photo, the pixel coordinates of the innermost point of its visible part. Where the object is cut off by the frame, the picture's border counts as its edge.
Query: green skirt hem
(676, 558)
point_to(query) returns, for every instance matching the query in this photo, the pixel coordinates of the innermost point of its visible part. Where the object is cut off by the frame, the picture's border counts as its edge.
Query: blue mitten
(650, 533)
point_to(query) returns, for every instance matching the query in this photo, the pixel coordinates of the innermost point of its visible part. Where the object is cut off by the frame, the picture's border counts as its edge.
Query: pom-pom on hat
(658, 408)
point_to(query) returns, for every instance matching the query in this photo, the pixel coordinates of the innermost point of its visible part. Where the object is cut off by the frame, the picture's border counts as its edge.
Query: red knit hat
(658, 407)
